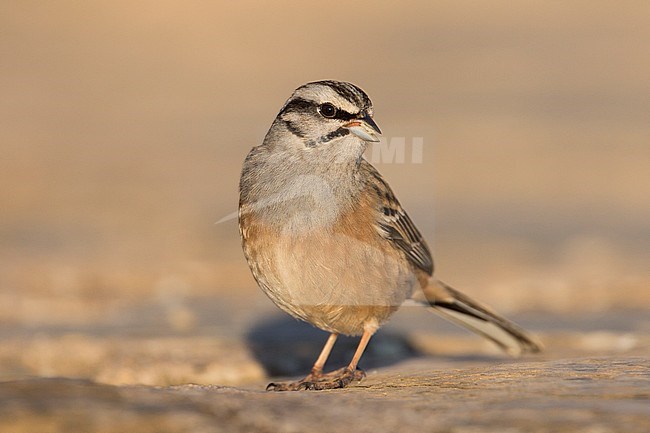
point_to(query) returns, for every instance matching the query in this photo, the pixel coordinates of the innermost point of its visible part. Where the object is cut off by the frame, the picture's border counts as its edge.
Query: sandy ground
(422, 374)
(123, 130)
(594, 395)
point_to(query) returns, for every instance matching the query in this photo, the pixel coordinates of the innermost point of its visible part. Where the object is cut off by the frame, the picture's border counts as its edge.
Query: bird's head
(322, 113)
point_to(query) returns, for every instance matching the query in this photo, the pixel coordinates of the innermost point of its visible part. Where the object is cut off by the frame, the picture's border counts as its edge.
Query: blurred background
(124, 125)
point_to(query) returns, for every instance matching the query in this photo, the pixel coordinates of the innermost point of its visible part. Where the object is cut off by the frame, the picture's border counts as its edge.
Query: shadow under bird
(327, 240)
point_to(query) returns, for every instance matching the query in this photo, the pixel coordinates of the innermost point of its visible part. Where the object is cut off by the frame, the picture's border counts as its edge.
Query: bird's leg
(317, 370)
(344, 376)
(315, 374)
(340, 378)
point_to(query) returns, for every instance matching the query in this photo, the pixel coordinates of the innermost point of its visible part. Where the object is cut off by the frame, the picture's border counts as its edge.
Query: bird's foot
(316, 382)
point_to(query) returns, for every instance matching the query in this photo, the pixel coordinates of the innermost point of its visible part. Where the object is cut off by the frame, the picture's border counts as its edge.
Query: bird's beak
(364, 127)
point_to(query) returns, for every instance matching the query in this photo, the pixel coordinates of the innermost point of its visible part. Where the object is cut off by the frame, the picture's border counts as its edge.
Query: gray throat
(300, 189)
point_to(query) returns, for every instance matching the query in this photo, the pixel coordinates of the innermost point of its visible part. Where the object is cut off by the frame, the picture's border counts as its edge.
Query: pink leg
(341, 378)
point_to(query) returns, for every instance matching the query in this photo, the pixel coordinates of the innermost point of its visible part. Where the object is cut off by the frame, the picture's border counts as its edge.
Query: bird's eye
(327, 110)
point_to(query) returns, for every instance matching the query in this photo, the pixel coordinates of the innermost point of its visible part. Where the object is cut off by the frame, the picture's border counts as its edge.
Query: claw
(334, 380)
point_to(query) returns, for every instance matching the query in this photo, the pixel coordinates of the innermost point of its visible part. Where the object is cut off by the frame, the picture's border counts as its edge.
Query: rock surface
(601, 395)
(423, 375)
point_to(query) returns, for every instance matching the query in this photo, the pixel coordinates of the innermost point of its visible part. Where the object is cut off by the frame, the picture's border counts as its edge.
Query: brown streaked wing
(394, 224)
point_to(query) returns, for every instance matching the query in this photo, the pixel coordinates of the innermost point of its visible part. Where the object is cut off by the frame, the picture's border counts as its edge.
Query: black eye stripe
(298, 105)
(344, 115)
(301, 105)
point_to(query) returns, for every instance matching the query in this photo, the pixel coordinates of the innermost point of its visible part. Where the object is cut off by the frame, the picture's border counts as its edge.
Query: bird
(327, 240)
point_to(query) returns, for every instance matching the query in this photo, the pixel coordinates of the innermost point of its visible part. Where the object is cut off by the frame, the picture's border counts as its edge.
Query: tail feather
(461, 309)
